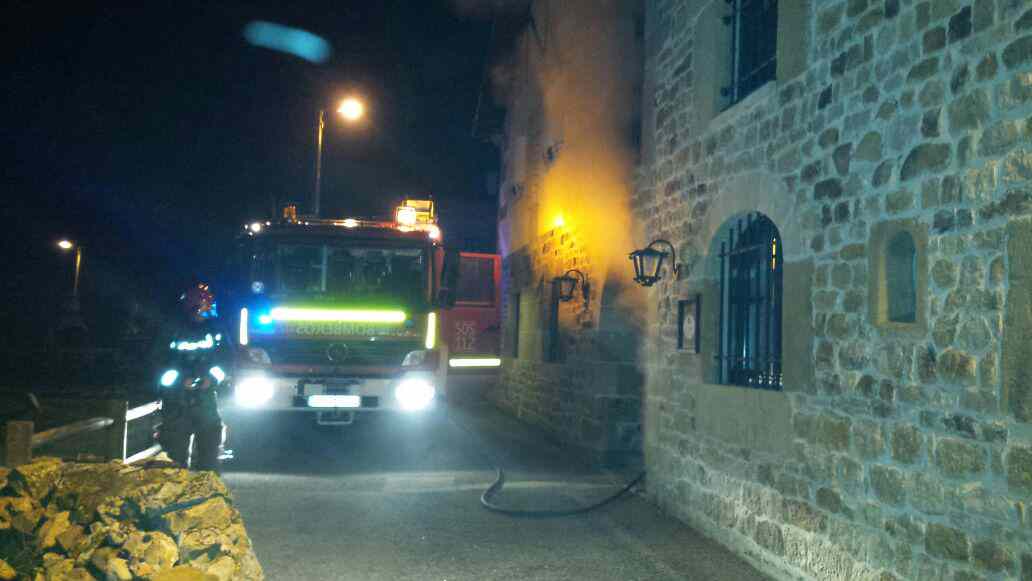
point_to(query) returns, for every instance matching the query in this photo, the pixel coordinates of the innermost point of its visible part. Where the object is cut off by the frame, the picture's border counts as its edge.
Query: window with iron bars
(754, 43)
(751, 266)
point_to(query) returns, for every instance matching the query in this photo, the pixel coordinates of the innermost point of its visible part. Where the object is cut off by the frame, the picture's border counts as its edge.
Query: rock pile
(108, 522)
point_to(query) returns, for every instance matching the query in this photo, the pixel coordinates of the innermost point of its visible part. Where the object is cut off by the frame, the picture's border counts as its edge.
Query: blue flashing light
(168, 379)
(300, 43)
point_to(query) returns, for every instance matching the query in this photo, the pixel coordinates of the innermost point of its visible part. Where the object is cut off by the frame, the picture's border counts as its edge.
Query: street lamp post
(351, 109)
(67, 245)
(72, 317)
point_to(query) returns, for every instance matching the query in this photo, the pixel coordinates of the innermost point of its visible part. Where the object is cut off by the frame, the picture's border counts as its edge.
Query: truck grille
(370, 353)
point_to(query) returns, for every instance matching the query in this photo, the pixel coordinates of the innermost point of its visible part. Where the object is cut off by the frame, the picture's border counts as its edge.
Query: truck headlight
(253, 391)
(414, 393)
(168, 379)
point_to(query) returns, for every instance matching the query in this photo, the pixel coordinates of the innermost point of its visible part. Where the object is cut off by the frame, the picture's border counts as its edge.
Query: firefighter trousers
(207, 436)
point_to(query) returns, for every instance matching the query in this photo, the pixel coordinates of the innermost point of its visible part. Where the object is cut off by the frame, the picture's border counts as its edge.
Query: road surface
(394, 498)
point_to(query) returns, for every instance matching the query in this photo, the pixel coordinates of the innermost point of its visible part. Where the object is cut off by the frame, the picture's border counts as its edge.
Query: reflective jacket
(199, 354)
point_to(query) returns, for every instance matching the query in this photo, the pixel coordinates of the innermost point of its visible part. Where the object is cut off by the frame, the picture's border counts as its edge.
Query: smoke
(588, 76)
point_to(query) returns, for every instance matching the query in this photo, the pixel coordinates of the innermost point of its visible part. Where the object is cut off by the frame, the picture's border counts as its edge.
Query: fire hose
(486, 499)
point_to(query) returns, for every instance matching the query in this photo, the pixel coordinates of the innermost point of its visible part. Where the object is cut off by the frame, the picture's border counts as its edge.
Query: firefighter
(196, 366)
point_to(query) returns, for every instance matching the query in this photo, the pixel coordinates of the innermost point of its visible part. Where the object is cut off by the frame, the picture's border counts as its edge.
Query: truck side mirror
(449, 279)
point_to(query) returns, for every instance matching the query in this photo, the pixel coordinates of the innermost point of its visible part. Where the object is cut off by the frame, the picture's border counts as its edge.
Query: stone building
(836, 379)
(571, 366)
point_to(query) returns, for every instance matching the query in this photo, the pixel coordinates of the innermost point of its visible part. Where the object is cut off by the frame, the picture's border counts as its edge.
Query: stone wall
(899, 450)
(570, 368)
(111, 521)
(571, 378)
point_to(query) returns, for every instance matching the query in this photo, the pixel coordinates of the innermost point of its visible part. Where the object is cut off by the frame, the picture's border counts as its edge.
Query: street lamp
(567, 284)
(67, 245)
(648, 263)
(352, 110)
(71, 318)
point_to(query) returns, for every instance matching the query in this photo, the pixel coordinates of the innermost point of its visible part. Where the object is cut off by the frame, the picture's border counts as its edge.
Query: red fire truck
(339, 316)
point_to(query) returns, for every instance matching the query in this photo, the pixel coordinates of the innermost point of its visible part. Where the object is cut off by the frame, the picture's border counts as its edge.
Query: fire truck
(342, 316)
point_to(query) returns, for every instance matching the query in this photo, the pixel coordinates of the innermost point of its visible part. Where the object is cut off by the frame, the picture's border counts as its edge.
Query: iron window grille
(754, 43)
(751, 266)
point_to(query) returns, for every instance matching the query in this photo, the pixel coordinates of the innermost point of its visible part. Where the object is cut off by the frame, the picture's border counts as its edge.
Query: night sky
(152, 133)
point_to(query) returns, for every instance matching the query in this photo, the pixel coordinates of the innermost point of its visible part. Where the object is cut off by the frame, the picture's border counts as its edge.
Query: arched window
(901, 278)
(751, 266)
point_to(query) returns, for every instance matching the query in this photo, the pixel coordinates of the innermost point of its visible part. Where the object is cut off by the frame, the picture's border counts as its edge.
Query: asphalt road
(396, 497)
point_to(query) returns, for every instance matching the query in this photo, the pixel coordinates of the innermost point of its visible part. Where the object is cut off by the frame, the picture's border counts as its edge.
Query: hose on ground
(496, 486)
(499, 483)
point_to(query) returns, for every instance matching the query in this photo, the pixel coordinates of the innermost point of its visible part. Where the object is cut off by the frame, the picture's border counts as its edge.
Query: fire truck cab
(340, 316)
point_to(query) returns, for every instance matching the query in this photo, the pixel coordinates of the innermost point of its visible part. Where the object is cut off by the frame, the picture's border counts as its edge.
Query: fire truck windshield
(337, 271)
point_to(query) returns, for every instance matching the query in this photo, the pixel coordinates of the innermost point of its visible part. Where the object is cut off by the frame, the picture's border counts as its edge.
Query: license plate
(334, 401)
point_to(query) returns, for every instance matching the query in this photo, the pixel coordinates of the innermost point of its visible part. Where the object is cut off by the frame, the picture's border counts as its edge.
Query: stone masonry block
(888, 484)
(1019, 469)
(1018, 53)
(969, 112)
(991, 555)
(946, 542)
(867, 439)
(957, 367)
(927, 157)
(906, 444)
(959, 459)
(833, 432)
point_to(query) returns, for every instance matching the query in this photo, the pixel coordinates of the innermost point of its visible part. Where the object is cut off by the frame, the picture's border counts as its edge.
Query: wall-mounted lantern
(648, 263)
(567, 284)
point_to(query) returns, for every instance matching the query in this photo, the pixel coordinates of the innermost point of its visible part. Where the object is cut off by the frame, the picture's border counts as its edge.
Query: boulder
(22, 513)
(150, 553)
(7, 572)
(52, 527)
(35, 479)
(106, 560)
(113, 522)
(212, 513)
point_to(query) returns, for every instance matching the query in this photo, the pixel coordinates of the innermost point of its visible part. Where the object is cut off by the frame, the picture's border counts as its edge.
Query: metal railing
(20, 437)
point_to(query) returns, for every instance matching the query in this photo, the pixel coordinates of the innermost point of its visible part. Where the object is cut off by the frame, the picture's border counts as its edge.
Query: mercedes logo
(337, 352)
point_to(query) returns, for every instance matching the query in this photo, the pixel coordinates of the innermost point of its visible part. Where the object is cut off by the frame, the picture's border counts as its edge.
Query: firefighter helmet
(198, 301)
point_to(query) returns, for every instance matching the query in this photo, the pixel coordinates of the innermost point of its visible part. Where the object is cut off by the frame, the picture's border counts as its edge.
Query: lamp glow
(243, 326)
(351, 109)
(475, 362)
(350, 223)
(414, 394)
(434, 233)
(406, 216)
(431, 330)
(255, 227)
(65, 244)
(344, 315)
(254, 391)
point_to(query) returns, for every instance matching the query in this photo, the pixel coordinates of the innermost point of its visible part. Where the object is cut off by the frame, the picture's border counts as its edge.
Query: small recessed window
(901, 278)
(898, 281)
(754, 34)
